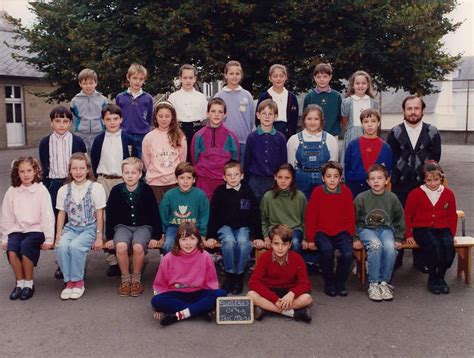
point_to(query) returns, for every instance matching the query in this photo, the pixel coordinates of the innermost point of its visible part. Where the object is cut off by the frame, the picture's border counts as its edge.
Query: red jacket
(419, 212)
(270, 274)
(330, 213)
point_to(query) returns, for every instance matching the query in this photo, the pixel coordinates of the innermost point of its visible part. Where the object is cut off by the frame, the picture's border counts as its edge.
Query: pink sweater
(186, 273)
(27, 209)
(160, 158)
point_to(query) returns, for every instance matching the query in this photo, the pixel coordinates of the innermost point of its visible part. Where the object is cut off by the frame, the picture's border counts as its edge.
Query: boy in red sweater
(280, 283)
(431, 220)
(330, 225)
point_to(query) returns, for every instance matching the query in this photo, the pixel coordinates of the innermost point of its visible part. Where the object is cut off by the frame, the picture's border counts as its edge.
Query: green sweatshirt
(282, 210)
(380, 212)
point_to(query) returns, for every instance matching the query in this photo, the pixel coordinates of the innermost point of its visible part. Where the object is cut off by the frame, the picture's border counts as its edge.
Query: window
(14, 104)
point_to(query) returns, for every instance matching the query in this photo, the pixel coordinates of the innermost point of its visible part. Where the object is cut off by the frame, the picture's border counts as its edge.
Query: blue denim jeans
(170, 237)
(198, 302)
(327, 245)
(71, 251)
(236, 247)
(307, 181)
(296, 241)
(381, 253)
(137, 139)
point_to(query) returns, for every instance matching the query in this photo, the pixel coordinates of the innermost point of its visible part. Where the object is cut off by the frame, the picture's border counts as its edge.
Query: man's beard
(418, 120)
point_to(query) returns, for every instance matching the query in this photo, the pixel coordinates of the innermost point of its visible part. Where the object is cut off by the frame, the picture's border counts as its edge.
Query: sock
(136, 277)
(183, 314)
(70, 284)
(125, 277)
(78, 284)
(28, 283)
(288, 313)
(20, 283)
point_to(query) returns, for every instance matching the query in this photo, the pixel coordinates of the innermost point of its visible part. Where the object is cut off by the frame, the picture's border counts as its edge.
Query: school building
(23, 113)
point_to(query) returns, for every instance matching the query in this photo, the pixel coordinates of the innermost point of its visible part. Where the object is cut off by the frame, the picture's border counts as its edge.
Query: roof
(8, 65)
(465, 72)
(392, 101)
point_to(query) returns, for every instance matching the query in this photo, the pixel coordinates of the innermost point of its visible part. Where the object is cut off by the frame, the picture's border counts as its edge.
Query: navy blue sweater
(128, 148)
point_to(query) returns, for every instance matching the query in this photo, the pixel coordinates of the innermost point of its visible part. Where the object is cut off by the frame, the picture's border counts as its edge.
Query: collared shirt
(275, 259)
(414, 133)
(359, 104)
(433, 195)
(133, 94)
(191, 106)
(318, 90)
(236, 188)
(260, 131)
(281, 100)
(227, 89)
(60, 150)
(110, 163)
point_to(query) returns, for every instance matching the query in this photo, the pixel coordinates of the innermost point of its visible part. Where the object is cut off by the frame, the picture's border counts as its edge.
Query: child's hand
(161, 242)
(398, 245)
(153, 244)
(411, 241)
(109, 244)
(258, 244)
(47, 246)
(210, 243)
(4, 246)
(287, 301)
(98, 243)
(268, 243)
(357, 244)
(312, 246)
(304, 245)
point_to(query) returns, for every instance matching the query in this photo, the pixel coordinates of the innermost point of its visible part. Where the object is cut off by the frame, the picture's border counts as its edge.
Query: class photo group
(190, 176)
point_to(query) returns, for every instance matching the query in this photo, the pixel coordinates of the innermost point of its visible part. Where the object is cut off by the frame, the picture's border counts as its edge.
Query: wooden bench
(462, 244)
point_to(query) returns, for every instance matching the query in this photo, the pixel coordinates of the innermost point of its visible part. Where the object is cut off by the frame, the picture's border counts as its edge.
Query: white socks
(28, 284)
(288, 313)
(20, 283)
(183, 314)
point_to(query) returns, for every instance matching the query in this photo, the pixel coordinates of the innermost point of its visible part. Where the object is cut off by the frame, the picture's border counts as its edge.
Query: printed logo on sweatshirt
(182, 215)
(244, 204)
(377, 217)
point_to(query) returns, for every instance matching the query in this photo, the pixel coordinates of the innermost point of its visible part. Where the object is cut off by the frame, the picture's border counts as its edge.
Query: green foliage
(398, 42)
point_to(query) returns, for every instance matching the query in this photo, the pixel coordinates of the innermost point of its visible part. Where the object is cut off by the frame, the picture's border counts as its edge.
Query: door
(15, 116)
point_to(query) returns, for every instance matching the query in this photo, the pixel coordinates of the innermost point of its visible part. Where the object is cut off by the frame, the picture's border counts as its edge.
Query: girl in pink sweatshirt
(186, 283)
(27, 224)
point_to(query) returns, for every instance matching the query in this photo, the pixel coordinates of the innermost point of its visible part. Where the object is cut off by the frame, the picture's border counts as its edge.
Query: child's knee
(374, 245)
(306, 299)
(253, 295)
(138, 248)
(121, 248)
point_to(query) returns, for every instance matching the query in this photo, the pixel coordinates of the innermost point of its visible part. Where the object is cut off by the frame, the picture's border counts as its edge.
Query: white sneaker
(66, 294)
(374, 292)
(77, 292)
(387, 291)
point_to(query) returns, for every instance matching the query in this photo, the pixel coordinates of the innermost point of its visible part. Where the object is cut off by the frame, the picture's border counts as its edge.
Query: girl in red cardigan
(431, 219)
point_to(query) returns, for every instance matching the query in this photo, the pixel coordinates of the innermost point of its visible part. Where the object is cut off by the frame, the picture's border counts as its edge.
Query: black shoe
(434, 287)
(16, 293)
(330, 291)
(58, 275)
(238, 287)
(27, 293)
(209, 316)
(443, 286)
(259, 313)
(303, 314)
(342, 292)
(229, 281)
(168, 319)
(113, 270)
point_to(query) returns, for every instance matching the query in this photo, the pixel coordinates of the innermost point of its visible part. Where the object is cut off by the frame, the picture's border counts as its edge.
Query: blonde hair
(233, 63)
(136, 162)
(187, 66)
(83, 157)
(87, 74)
(277, 66)
(137, 68)
(350, 86)
(270, 104)
(313, 108)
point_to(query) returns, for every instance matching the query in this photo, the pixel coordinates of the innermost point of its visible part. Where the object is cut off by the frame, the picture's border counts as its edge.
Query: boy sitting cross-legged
(280, 282)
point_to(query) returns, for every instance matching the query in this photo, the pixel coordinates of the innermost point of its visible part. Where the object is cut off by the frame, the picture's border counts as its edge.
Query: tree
(398, 42)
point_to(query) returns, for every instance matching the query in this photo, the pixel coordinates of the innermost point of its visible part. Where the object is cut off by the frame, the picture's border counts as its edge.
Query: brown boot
(136, 289)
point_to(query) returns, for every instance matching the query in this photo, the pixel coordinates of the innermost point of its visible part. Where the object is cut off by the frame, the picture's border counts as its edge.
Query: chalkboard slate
(234, 310)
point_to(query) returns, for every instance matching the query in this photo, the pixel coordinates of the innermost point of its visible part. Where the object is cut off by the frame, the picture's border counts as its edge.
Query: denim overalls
(310, 157)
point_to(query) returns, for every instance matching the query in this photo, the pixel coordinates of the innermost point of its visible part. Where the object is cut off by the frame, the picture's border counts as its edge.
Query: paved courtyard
(102, 324)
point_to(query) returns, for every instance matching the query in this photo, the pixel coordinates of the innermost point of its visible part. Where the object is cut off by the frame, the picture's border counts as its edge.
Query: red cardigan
(268, 273)
(330, 213)
(419, 212)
